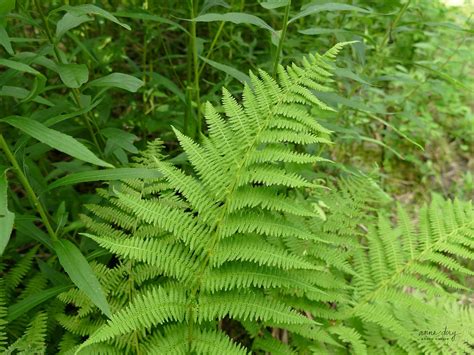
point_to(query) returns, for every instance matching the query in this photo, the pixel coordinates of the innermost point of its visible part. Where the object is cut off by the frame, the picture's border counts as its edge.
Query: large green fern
(241, 240)
(216, 235)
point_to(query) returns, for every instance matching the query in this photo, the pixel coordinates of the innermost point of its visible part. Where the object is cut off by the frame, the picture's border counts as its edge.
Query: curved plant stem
(282, 38)
(29, 190)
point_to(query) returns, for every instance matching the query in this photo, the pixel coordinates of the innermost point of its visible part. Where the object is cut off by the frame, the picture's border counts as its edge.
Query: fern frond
(21, 268)
(255, 249)
(241, 201)
(33, 341)
(174, 340)
(272, 346)
(154, 307)
(247, 306)
(238, 276)
(171, 258)
(349, 335)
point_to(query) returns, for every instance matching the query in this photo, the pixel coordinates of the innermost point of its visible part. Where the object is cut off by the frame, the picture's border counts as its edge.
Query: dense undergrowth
(231, 177)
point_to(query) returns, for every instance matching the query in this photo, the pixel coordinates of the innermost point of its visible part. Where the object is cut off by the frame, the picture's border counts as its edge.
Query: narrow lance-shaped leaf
(237, 74)
(80, 272)
(235, 17)
(70, 21)
(89, 9)
(313, 9)
(55, 139)
(144, 16)
(6, 217)
(23, 306)
(118, 80)
(38, 83)
(5, 40)
(274, 4)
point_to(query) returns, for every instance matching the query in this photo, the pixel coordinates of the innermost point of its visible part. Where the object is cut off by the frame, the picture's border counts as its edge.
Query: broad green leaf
(118, 80)
(20, 308)
(235, 17)
(5, 40)
(313, 9)
(70, 21)
(106, 175)
(237, 74)
(6, 6)
(90, 9)
(55, 139)
(274, 4)
(80, 272)
(73, 75)
(6, 217)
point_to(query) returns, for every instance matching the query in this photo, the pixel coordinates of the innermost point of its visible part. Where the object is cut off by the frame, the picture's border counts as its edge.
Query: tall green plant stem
(75, 92)
(27, 186)
(282, 38)
(213, 44)
(390, 29)
(193, 45)
(385, 41)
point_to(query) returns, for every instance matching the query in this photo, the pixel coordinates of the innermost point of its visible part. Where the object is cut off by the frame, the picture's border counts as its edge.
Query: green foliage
(320, 207)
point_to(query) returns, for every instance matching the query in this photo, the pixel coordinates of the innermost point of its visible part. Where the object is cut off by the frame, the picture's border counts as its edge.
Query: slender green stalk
(390, 29)
(193, 46)
(384, 43)
(214, 41)
(27, 186)
(282, 38)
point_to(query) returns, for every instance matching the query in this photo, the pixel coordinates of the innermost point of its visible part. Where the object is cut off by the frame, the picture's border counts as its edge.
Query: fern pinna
(217, 236)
